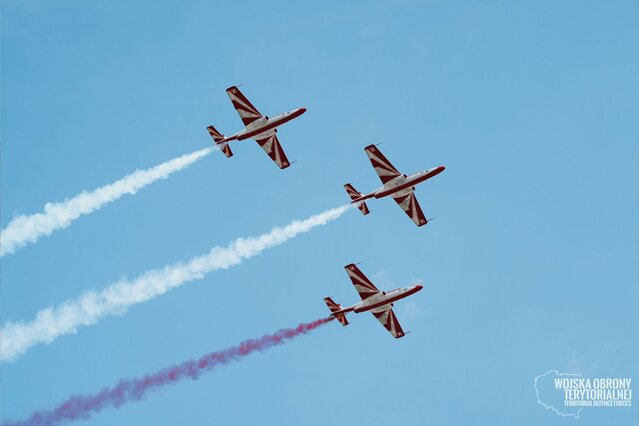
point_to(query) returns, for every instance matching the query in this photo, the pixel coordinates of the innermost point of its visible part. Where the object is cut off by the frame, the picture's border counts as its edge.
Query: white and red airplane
(259, 127)
(379, 303)
(397, 185)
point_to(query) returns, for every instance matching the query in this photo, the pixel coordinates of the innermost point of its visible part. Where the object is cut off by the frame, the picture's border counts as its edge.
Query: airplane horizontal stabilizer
(335, 309)
(217, 136)
(226, 149)
(363, 208)
(341, 318)
(352, 192)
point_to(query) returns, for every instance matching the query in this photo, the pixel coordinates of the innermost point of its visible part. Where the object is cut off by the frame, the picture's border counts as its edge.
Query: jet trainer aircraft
(259, 127)
(397, 185)
(379, 303)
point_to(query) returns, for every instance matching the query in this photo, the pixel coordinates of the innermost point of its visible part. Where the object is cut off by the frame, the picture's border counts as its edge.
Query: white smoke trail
(52, 322)
(28, 229)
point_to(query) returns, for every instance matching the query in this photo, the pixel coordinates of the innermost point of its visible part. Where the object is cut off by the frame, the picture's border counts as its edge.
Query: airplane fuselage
(401, 184)
(265, 125)
(380, 299)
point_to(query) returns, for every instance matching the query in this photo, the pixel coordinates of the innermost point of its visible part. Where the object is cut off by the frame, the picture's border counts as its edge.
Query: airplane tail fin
(218, 139)
(335, 311)
(356, 195)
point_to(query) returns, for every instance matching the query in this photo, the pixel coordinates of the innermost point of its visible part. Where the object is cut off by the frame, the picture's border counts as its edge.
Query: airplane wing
(248, 113)
(364, 287)
(409, 204)
(271, 145)
(385, 170)
(387, 317)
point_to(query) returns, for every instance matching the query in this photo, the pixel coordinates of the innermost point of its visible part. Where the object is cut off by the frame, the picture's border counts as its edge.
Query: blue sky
(530, 265)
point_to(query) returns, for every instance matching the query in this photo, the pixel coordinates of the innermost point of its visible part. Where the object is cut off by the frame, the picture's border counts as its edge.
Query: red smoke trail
(128, 390)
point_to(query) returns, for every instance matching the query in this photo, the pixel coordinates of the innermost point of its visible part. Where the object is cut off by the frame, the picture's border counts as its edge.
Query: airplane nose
(419, 287)
(436, 171)
(302, 110)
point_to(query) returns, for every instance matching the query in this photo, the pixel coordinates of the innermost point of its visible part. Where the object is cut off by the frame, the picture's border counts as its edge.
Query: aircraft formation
(400, 187)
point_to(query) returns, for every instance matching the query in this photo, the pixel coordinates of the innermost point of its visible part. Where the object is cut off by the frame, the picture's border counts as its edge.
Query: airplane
(379, 303)
(397, 185)
(257, 126)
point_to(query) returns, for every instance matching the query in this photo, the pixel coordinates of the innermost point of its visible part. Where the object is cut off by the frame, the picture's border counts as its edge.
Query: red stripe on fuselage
(387, 301)
(284, 119)
(409, 183)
